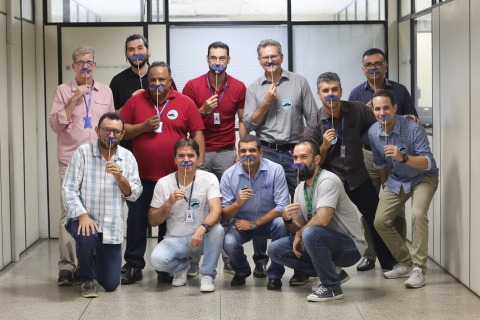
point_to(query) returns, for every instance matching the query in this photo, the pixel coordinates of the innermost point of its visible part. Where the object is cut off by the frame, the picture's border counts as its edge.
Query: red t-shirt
(218, 136)
(154, 151)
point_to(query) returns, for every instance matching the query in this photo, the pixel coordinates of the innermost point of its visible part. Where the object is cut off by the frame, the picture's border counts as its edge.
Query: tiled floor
(28, 290)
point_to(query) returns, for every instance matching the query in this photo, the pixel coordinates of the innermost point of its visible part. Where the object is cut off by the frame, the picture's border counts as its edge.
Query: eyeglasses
(82, 63)
(377, 64)
(116, 132)
(215, 59)
(266, 58)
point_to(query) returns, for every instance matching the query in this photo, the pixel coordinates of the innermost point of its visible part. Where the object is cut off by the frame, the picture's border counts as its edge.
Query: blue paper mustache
(372, 71)
(245, 158)
(298, 166)
(270, 64)
(110, 139)
(137, 57)
(331, 97)
(386, 117)
(215, 67)
(159, 88)
(85, 70)
(186, 163)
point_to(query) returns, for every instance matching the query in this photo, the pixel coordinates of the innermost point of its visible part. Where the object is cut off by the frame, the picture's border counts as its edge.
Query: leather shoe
(164, 277)
(274, 284)
(260, 271)
(365, 264)
(239, 280)
(132, 275)
(298, 279)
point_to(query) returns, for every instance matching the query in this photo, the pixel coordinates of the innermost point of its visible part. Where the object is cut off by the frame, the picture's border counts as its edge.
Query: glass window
(158, 14)
(96, 11)
(423, 81)
(27, 9)
(405, 7)
(361, 10)
(422, 4)
(231, 10)
(327, 10)
(325, 54)
(373, 10)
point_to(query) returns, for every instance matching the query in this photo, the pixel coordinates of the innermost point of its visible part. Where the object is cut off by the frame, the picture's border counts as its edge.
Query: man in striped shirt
(100, 176)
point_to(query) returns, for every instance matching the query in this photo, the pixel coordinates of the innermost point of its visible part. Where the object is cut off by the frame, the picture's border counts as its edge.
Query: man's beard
(140, 65)
(307, 172)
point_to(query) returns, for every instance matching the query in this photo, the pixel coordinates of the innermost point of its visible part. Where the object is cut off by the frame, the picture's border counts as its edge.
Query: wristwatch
(288, 221)
(253, 224)
(207, 227)
(201, 165)
(404, 158)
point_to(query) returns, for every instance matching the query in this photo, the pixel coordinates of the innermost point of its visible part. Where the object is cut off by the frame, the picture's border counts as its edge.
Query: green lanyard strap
(309, 197)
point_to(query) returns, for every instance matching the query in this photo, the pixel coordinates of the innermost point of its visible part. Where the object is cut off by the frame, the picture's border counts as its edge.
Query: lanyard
(309, 197)
(159, 114)
(331, 126)
(191, 190)
(212, 93)
(87, 105)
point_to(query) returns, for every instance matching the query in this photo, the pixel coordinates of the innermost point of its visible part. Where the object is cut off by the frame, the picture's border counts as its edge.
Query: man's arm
(200, 139)
(211, 219)
(260, 113)
(134, 130)
(157, 215)
(242, 131)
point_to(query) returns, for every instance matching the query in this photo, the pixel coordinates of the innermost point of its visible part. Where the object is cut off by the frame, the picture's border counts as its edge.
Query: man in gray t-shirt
(327, 233)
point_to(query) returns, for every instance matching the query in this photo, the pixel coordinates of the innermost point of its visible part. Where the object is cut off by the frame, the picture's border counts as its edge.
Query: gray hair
(267, 43)
(83, 50)
(328, 77)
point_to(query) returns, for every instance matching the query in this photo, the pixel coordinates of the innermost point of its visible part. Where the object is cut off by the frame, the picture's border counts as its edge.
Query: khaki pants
(66, 243)
(387, 211)
(400, 223)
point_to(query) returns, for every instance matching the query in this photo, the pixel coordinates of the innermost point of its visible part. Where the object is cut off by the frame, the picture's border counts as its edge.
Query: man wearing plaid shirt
(100, 176)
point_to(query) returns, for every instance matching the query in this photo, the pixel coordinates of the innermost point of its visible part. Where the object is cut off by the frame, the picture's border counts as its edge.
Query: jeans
(234, 240)
(366, 199)
(324, 249)
(171, 254)
(97, 260)
(137, 224)
(285, 159)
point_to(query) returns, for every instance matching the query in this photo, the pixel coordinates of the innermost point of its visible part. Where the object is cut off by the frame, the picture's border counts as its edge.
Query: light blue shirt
(405, 133)
(269, 187)
(87, 188)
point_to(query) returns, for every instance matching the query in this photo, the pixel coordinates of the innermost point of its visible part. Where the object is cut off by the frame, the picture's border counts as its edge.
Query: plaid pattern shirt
(87, 188)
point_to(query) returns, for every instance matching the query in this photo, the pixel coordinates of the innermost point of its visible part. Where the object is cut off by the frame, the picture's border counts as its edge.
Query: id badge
(216, 118)
(87, 122)
(189, 215)
(159, 129)
(342, 151)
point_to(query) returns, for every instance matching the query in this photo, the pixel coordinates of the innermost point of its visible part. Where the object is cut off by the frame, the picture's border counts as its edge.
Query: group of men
(292, 183)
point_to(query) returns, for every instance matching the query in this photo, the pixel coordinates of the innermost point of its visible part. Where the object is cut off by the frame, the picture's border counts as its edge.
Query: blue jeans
(97, 260)
(171, 254)
(234, 240)
(137, 224)
(285, 159)
(325, 249)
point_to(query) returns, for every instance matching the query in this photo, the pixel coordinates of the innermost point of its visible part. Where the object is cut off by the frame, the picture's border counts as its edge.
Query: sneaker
(75, 276)
(206, 284)
(416, 279)
(180, 278)
(88, 290)
(65, 278)
(298, 279)
(398, 271)
(164, 277)
(343, 275)
(227, 268)
(324, 294)
(193, 271)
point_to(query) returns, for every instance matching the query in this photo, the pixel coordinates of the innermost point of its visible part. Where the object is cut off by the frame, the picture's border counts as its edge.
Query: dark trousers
(97, 260)
(365, 197)
(137, 224)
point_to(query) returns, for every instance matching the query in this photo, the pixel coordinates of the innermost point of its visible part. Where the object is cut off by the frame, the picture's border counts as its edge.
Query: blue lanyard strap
(87, 105)
(191, 189)
(212, 93)
(159, 114)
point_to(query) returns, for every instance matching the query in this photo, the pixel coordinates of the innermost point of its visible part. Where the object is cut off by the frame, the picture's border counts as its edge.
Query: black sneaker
(324, 294)
(65, 278)
(88, 290)
(239, 280)
(260, 271)
(164, 277)
(298, 279)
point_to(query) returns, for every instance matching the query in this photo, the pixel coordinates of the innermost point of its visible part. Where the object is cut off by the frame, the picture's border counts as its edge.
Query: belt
(228, 147)
(278, 147)
(367, 147)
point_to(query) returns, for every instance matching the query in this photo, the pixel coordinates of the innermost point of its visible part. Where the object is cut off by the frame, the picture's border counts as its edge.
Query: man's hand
(86, 225)
(271, 94)
(291, 211)
(114, 169)
(137, 92)
(210, 104)
(412, 117)
(82, 90)
(197, 237)
(176, 195)
(243, 225)
(298, 246)
(152, 123)
(328, 137)
(243, 196)
(393, 152)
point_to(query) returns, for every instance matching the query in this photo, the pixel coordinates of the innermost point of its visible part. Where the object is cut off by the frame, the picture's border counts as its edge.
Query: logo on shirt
(402, 148)
(195, 203)
(172, 114)
(287, 104)
(242, 187)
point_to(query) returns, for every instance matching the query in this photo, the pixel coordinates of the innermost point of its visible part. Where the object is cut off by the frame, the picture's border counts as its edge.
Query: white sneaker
(206, 284)
(180, 278)
(398, 271)
(416, 279)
